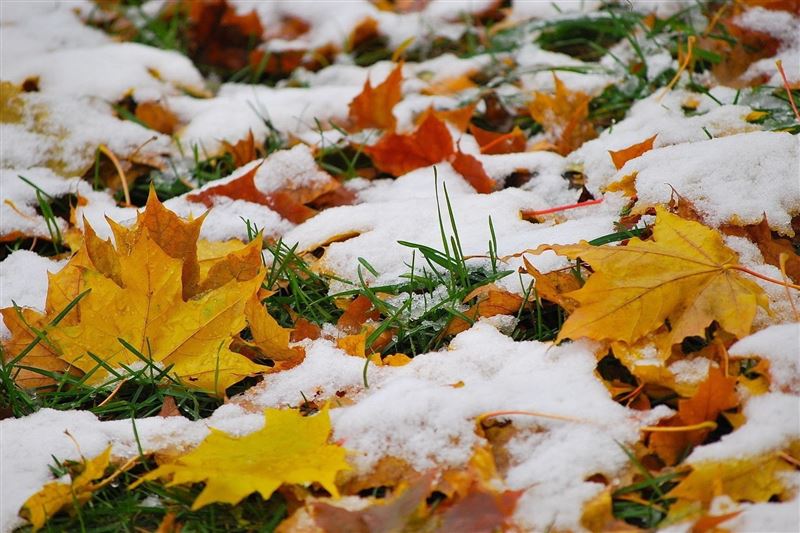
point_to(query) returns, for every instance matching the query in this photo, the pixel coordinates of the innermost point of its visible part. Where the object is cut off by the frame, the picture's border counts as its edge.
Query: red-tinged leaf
(390, 516)
(372, 108)
(399, 154)
(357, 313)
(303, 329)
(714, 395)
(468, 166)
(481, 512)
(620, 157)
(157, 117)
(335, 198)
(458, 117)
(492, 142)
(242, 188)
(243, 151)
(220, 36)
(294, 187)
(709, 523)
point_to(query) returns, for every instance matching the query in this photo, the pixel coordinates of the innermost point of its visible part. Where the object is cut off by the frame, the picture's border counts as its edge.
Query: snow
(239, 109)
(62, 133)
(33, 292)
(290, 168)
(109, 72)
(780, 345)
(662, 117)
(28, 445)
(761, 179)
(781, 25)
(373, 229)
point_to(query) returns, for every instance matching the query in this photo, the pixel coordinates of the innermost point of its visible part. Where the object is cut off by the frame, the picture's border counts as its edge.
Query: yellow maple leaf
(685, 276)
(56, 495)
(752, 479)
(160, 308)
(290, 449)
(151, 315)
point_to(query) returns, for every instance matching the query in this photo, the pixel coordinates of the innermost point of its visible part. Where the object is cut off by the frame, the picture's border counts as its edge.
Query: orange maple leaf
(429, 144)
(399, 154)
(220, 36)
(714, 395)
(288, 202)
(458, 117)
(492, 142)
(372, 107)
(620, 157)
(157, 117)
(243, 151)
(563, 116)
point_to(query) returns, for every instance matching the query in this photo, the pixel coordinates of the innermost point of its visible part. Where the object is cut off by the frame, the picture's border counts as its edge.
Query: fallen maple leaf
(685, 275)
(383, 517)
(620, 157)
(157, 117)
(143, 283)
(429, 144)
(372, 107)
(56, 495)
(491, 301)
(458, 117)
(242, 151)
(472, 170)
(553, 286)
(289, 449)
(289, 197)
(752, 479)
(268, 335)
(563, 116)
(714, 395)
(399, 154)
(770, 246)
(492, 142)
(219, 35)
(358, 311)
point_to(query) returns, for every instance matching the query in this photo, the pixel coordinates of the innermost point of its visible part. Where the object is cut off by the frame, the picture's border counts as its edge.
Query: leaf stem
(526, 214)
(753, 273)
(779, 64)
(674, 429)
(493, 414)
(108, 153)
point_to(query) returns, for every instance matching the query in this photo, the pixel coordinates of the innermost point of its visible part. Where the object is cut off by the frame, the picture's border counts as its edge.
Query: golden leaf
(142, 284)
(268, 335)
(563, 116)
(289, 449)
(752, 479)
(55, 496)
(683, 276)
